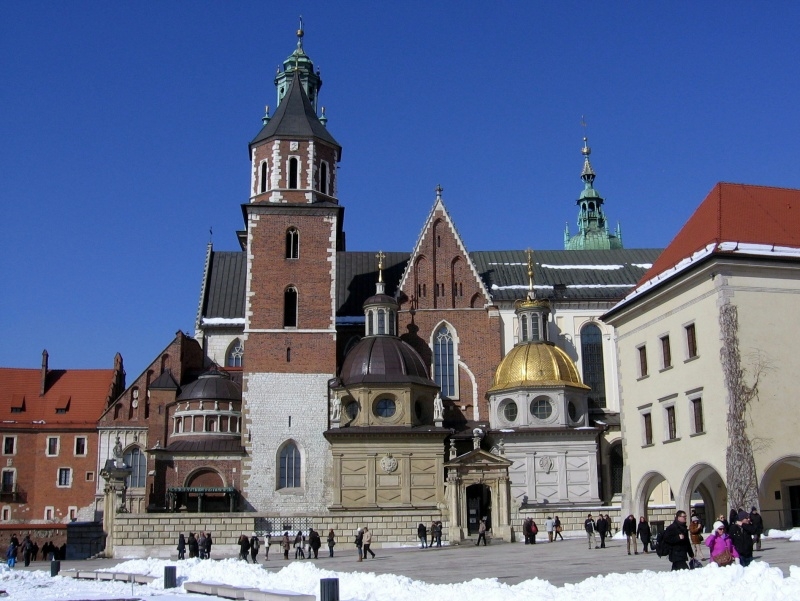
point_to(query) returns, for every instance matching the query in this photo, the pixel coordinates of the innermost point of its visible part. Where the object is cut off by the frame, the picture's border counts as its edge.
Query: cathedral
(434, 383)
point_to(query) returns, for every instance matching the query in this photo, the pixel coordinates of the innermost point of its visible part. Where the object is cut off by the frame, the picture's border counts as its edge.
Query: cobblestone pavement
(561, 562)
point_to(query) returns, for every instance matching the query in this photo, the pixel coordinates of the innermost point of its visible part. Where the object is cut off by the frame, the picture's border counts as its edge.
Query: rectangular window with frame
(9, 445)
(666, 353)
(72, 512)
(48, 513)
(647, 422)
(52, 446)
(6, 514)
(64, 477)
(8, 481)
(80, 446)
(698, 426)
(691, 341)
(672, 426)
(642, 361)
(90, 476)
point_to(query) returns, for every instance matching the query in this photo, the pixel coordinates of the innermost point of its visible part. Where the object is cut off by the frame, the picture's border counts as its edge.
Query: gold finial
(530, 270)
(585, 151)
(380, 256)
(300, 30)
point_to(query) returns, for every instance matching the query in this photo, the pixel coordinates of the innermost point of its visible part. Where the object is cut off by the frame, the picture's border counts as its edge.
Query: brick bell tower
(293, 231)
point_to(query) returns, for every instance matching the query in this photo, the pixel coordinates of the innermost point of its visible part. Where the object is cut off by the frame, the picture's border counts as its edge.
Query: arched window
(292, 243)
(293, 171)
(137, 461)
(323, 177)
(523, 320)
(290, 308)
(444, 361)
(233, 357)
(381, 321)
(369, 323)
(594, 374)
(289, 468)
(262, 185)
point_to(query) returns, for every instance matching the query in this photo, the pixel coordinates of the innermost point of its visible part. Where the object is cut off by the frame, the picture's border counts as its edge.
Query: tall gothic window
(137, 461)
(323, 177)
(293, 173)
(262, 186)
(292, 243)
(444, 362)
(235, 354)
(594, 374)
(289, 468)
(290, 308)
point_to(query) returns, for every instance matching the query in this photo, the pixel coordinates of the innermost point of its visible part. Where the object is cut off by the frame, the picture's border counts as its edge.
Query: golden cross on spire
(380, 256)
(529, 252)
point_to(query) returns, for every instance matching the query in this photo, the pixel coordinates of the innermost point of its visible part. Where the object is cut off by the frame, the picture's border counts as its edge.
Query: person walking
(11, 555)
(644, 532)
(422, 533)
(526, 530)
(254, 546)
(589, 526)
(557, 528)
(758, 526)
(27, 550)
(194, 550)
(314, 543)
(286, 544)
(534, 531)
(244, 547)
(267, 542)
(720, 546)
(549, 526)
(207, 547)
(481, 533)
(181, 546)
(360, 544)
(432, 533)
(602, 525)
(629, 530)
(299, 543)
(696, 536)
(741, 534)
(368, 542)
(676, 536)
(331, 542)
(438, 533)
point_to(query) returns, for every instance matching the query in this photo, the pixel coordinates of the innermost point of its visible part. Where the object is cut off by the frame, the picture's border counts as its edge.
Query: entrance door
(479, 506)
(794, 505)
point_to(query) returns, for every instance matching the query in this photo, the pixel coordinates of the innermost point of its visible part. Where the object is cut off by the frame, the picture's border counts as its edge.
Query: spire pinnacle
(380, 256)
(266, 117)
(530, 273)
(300, 34)
(439, 191)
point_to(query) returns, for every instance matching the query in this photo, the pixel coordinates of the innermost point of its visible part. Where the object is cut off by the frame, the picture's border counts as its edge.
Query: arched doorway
(651, 482)
(479, 506)
(779, 493)
(703, 490)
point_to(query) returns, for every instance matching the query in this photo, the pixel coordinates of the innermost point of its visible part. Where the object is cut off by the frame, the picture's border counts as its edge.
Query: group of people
(199, 546)
(730, 540)
(602, 526)
(435, 533)
(252, 545)
(29, 551)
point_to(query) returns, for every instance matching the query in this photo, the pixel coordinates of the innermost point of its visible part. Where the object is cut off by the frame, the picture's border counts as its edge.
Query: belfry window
(292, 243)
(293, 172)
(381, 321)
(594, 374)
(290, 308)
(323, 177)
(289, 468)
(523, 320)
(262, 184)
(235, 354)
(444, 362)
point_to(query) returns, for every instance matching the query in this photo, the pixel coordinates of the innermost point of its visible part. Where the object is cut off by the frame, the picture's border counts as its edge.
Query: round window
(572, 410)
(385, 408)
(541, 409)
(351, 409)
(510, 411)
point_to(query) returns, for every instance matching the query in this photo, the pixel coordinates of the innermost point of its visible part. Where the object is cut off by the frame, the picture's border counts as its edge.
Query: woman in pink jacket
(718, 541)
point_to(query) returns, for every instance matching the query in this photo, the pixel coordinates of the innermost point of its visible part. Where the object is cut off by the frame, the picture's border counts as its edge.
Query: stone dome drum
(211, 386)
(536, 364)
(383, 359)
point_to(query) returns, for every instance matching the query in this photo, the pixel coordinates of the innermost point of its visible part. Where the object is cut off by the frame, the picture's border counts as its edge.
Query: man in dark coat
(680, 546)
(741, 534)
(209, 542)
(526, 530)
(758, 527)
(314, 542)
(629, 530)
(602, 529)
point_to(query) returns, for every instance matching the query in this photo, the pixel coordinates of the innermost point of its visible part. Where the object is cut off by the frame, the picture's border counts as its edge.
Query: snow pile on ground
(793, 535)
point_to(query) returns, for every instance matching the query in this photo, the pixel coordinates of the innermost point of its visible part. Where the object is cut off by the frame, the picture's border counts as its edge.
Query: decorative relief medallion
(389, 464)
(546, 463)
(293, 145)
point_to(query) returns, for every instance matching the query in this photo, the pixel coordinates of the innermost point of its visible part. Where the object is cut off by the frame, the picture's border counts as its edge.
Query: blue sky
(125, 128)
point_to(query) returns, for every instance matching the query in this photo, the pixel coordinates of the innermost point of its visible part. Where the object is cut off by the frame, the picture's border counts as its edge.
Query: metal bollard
(329, 589)
(170, 577)
(55, 567)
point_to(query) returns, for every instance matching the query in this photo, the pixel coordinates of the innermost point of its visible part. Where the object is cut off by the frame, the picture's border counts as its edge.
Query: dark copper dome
(213, 385)
(380, 299)
(384, 359)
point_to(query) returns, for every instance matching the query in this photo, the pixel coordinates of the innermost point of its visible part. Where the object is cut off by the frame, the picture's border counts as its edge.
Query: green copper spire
(298, 61)
(593, 231)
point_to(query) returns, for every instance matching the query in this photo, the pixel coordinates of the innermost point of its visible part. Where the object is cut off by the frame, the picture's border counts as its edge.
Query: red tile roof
(735, 213)
(84, 393)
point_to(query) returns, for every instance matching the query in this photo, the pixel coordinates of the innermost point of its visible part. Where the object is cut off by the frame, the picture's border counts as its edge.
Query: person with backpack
(741, 534)
(677, 542)
(589, 526)
(644, 533)
(254, 546)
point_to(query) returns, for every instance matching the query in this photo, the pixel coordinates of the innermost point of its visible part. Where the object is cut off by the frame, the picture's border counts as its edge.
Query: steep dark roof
(225, 288)
(357, 274)
(295, 118)
(164, 382)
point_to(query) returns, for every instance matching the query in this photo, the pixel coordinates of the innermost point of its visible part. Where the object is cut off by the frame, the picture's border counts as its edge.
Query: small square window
(9, 445)
(691, 341)
(642, 361)
(80, 445)
(666, 353)
(64, 477)
(90, 476)
(52, 446)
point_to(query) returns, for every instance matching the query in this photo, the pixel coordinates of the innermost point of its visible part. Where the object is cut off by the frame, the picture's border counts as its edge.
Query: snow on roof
(601, 267)
(642, 265)
(223, 321)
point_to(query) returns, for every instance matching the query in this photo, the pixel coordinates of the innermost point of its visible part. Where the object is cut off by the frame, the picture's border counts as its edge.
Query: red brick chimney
(45, 356)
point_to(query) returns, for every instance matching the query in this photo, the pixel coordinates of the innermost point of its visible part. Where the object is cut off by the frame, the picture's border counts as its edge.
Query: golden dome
(536, 364)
